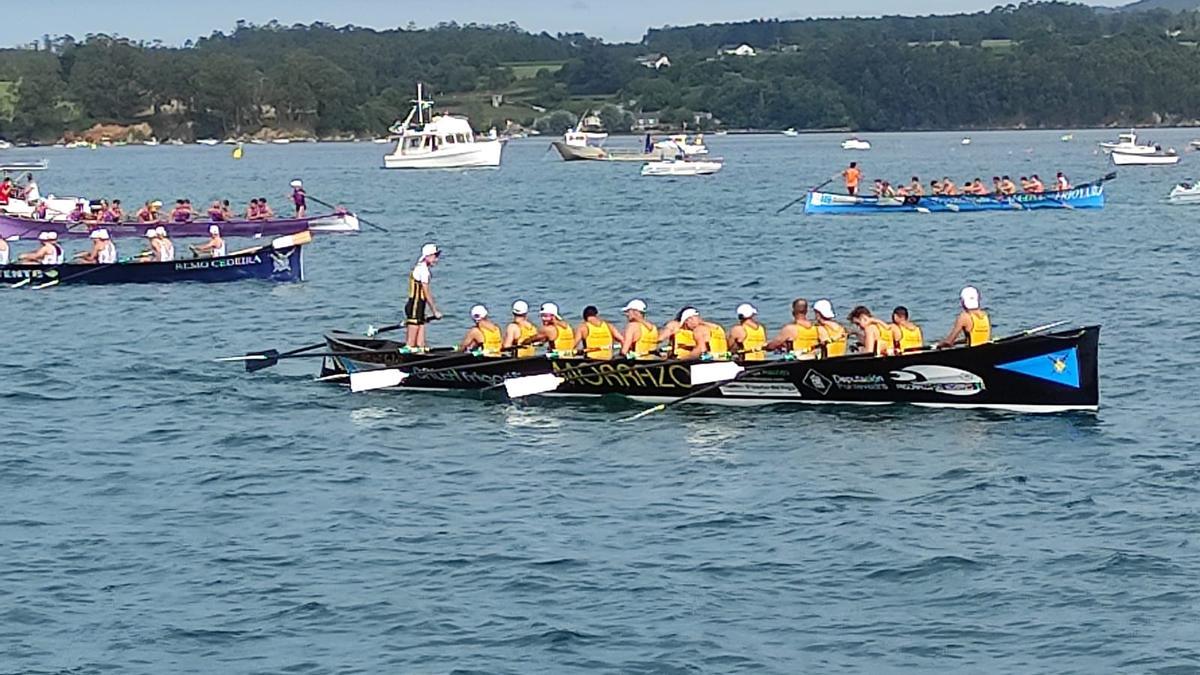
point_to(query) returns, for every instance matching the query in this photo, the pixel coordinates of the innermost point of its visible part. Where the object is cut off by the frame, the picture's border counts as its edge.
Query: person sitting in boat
(1061, 183)
(680, 340)
(595, 336)
(116, 212)
(748, 338)
(877, 187)
(48, 251)
(149, 212)
(709, 338)
(831, 336)
(166, 249)
(39, 211)
(29, 192)
(264, 210)
(996, 185)
(554, 332)
(915, 188)
(949, 189)
(978, 188)
(640, 339)
(1024, 184)
(226, 212)
(253, 210)
(103, 252)
(215, 213)
(79, 213)
(214, 247)
(888, 190)
(877, 335)
(519, 334)
(299, 198)
(150, 254)
(1007, 187)
(935, 187)
(421, 307)
(1035, 185)
(906, 335)
(799, 338)
(852, 175)
(484, 335)
(972, 325)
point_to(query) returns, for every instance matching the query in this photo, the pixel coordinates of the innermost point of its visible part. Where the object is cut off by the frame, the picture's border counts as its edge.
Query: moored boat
(281, 260)
(1039, 372)
(1086, 196)
(443, 141)
(681, 167)
(1185, 193)
(1167, 158)
(856, 143)
(341, 222)
(1128, 144)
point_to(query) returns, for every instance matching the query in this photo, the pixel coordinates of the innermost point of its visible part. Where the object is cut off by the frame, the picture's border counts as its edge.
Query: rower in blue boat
(214, 247)
(1061, 183)
(166, 248)
(973, 324)
(421, 306)
(484, 336)
(48, 251)
(519, 334)
(103, 251)
(299, 198)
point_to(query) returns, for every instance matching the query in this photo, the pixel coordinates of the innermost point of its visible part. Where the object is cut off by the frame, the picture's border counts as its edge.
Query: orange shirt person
(852, 175)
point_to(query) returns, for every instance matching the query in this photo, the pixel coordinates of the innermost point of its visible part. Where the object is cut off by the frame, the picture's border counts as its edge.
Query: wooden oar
(806, 194)
(256, 361)
(722, 372)
(378, 227)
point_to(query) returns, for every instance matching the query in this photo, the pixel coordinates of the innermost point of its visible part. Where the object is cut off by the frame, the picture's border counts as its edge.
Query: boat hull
(1185, 193)
(479, 154)
(1124, 159)
(1051, 372)
(14, 228)
(266, 263)
(574, 153)
(1082, 197)
(675, 168)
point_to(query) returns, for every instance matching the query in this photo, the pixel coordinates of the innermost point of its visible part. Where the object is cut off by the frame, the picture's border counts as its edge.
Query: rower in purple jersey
(299, 198)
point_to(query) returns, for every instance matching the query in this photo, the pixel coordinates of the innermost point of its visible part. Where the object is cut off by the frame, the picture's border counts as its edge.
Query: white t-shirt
(420, 273)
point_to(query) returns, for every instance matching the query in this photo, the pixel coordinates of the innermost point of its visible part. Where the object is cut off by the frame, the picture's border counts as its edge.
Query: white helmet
(520, 308)
(479, 312)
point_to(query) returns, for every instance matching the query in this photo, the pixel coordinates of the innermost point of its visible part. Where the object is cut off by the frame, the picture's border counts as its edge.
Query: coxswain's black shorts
(414, 311)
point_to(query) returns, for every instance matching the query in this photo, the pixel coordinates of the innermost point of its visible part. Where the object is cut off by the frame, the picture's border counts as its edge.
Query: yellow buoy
(237, 152)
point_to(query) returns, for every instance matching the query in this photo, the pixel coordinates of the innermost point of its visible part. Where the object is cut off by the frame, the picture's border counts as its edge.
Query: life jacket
(752, 346)
(682, 343)
(910, 338)
(599, 341)
(807, 338)
(647, 342)
(718, 343)
(981, 327)
(526, 331)
(564, 338)
(493, 340)
(836, 346)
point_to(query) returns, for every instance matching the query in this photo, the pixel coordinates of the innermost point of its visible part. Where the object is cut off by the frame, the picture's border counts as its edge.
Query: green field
(527, 70)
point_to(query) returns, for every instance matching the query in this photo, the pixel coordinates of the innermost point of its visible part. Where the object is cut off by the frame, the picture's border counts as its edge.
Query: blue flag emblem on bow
(1058, 367)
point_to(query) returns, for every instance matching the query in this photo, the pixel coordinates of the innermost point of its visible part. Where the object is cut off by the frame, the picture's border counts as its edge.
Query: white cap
(688, 313)
(156, 203)
(824, 308)
(549, 309)
(45, 236)
(479, 312)
(52, 235)
(150, 233)
(520, 308)
(746, 310)
(213, 229)
(969, 297)
(296, 183)
(430, 249)
(97, 234)
(160, 231)
(635, 305)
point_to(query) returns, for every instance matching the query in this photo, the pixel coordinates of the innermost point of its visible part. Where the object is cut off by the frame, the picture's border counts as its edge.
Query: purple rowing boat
(14, 228)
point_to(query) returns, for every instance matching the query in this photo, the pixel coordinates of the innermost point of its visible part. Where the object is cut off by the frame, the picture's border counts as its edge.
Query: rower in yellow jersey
(710, 339)
(640, 339)
(748, 338)
(877, 335)
(830, 334)
(800, 337)
(484, 335)
(555, 333)
(906, 334)
(595, 335)
(972, 324)
(520, 333)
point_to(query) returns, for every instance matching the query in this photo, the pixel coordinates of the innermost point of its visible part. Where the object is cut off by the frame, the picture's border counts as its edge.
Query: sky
(173, 22)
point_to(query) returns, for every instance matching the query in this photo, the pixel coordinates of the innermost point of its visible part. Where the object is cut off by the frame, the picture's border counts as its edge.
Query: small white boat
(1185, 193)
(5, 145)
(856, 143)
(208, 141)
(281, 141)
(1127, 144)
(174, 141)
(790, 132)
(428, 141)
(680, 144)
(379, 141)
(682, 167)
(1067, 138)
(1157, 159)
(965, 141)
(151, 142)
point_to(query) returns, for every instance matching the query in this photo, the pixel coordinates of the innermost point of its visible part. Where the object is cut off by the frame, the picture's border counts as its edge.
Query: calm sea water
(165, 513)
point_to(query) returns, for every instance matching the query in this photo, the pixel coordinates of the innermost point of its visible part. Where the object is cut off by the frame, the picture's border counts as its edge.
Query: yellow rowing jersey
(718, 344)
(756, 340)
(981, 327)
(836, 344)
(528, 331)
(647, 342)
(682, 343)
(493, 340)
(807, 338)
(564, 338)
(599, 341)
(910, 338)
(885, 342)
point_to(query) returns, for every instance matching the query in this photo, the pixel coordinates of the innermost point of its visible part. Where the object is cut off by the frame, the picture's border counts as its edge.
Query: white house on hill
(737, 50)
(655, 61)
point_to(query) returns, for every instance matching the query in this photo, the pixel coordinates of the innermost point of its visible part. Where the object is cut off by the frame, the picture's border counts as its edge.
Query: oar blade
(645, 413)
(518, 387)
(715, 371)
(269, 358)
(368, 380)
(292, 240)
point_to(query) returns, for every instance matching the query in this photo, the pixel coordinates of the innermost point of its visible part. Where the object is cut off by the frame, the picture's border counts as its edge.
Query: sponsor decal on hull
(937, 379)
(760, 390)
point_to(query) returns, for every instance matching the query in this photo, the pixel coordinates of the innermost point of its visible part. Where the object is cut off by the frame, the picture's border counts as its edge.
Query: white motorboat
(682, 167)
(680, 144)
(965, 141)
(1156, 159)
(281, 141)
(790, 132)
(1185, 193)
(208, 141)
(428, 141)
(1067, 138)
(1127, 144)
(856, 143)
(150, 142)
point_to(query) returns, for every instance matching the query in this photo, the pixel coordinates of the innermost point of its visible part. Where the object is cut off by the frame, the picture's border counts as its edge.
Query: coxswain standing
(421, 305)
(973, 324)
(484, 335)
(640, 339)
(48, 251)
(905, 334)
(103, 251)
(555, 333)
(830, 334)
(799, 337)
(852, 175)
(710, 340)
(748, 339)
(877, 335)
(299, 198)
(595, 335)
(519, 334)
(215, 246)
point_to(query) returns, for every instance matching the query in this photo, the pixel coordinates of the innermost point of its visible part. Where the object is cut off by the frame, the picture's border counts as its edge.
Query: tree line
(1035, 64)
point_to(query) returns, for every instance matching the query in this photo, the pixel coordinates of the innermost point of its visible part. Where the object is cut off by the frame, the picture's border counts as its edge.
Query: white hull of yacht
(1123, 159)
(479, 154)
